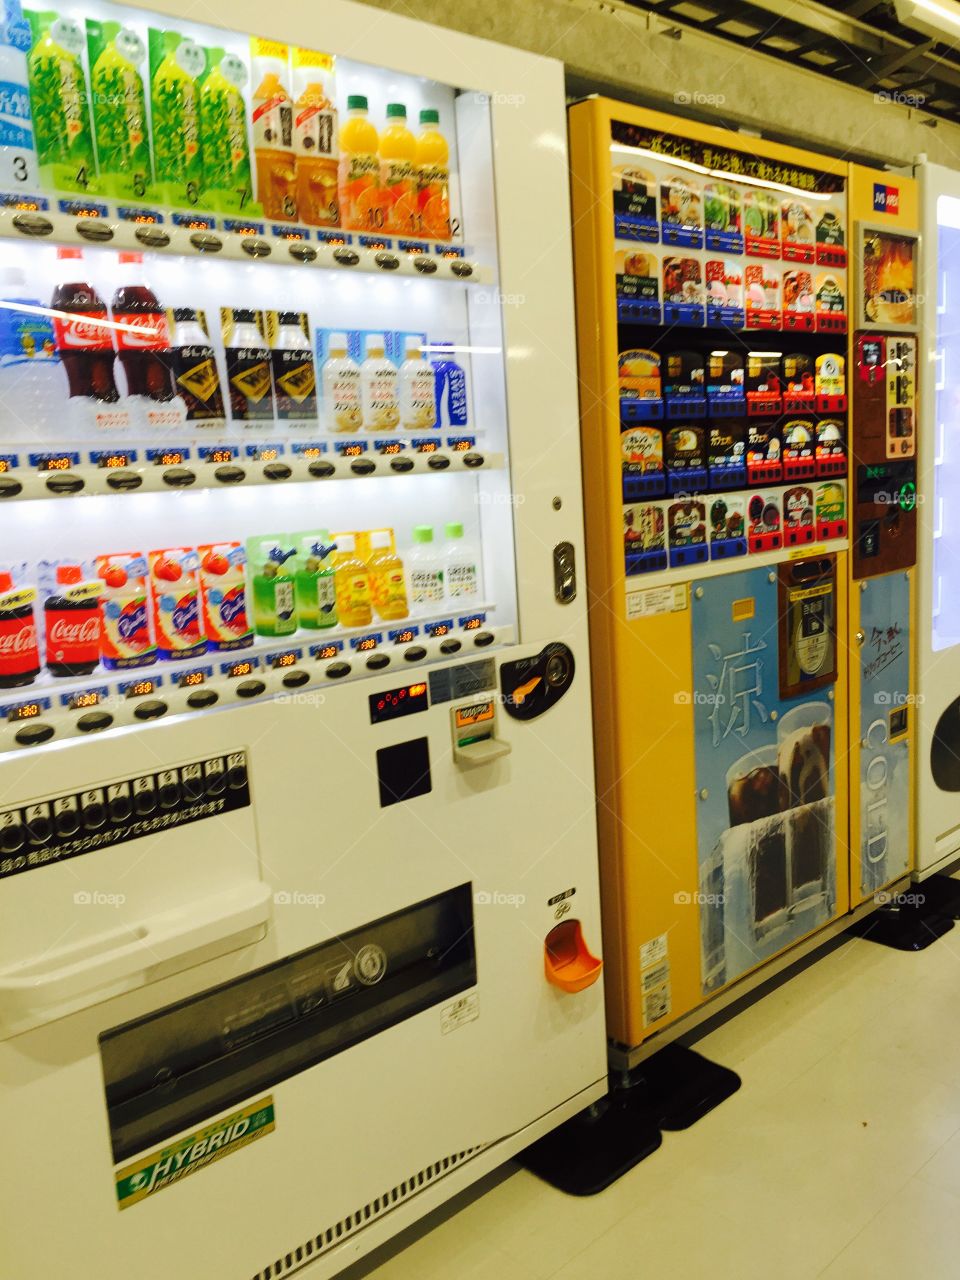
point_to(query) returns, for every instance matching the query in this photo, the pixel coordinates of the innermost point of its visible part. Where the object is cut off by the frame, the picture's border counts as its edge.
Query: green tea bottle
(119, 108)
(223, 133)
(176, 65)
(316, 593)
(59, 102)
(273, 586)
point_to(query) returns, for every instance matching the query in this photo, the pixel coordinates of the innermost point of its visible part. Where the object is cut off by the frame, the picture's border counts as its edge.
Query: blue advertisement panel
(884, 751)
(765, 783)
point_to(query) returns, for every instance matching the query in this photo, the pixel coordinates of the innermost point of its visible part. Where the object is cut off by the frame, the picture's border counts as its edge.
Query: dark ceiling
(857, 41)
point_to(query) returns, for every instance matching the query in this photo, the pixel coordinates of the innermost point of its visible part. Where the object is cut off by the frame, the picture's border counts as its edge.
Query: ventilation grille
(362, 1217)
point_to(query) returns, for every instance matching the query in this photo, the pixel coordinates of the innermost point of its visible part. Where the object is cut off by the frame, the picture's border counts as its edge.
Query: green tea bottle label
(223, 134)
(119, 109)
(176, 65)
(60, 103)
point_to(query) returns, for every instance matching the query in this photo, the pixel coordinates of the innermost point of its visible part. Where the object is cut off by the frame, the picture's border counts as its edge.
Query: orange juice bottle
(359, 172)
(398, 174)
(433, 178)
(273, 148)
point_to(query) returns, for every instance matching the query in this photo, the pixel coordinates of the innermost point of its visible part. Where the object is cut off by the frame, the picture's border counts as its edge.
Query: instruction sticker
(153, 1172)
(656, 600)
(653, 952)
(461, 1011)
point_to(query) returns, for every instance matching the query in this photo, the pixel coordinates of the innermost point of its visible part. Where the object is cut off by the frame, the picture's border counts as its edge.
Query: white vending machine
(938, 551)
(297, 832)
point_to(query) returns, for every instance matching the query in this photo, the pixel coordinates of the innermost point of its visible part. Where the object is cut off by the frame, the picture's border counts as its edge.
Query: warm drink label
(144, 332)
(82, 331)
(295, 383)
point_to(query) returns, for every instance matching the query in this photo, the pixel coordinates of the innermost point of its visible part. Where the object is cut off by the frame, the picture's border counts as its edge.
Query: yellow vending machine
(712, 295)
(884, 221)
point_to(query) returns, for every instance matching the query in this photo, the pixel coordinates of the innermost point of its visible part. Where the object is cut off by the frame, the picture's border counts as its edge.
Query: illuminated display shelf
(49, 227)
(52, 722)
(25, 483)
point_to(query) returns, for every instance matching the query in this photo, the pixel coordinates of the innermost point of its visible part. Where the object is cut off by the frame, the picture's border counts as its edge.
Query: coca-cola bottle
(19, 654)
(83, 335)
(143, 342)
(73, 625)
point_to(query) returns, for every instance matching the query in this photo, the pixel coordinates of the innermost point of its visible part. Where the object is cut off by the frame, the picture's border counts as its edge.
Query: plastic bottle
(352, 584)
(294, 374)
(194, 367)
(248, 371)
(143, 345)
(343, 410)
(19, 650)
(451, 388)
(398, 173)
(388, 586)
(433, 178)
(358, 180)
(425, 570)
(72, 621)
(273, 586)
(461, 568)
(175, 590)
(418, 390)
(125, 640)
(18, 155)
(317, 154)
(223, 591)
(31, 380)
(273, 148)
(223, 133)
(59, 100)
(85, 346)
(316, 586)
(379, 387)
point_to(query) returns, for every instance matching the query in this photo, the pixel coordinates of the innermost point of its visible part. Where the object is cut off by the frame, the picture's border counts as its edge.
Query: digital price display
(238, 669)
(63, 462)
(243, 228)
(140, 688)
(280, 660)
(80, 701)
(427, 446)
(363, 644)
(24, 711)
(264, 453)
(404, 636)
(389, 447)
(145, 217)
(190, 679)
(113, 460)
(461, 444)
(22, 203)
(290, 233)
(227, 454)
(325, 651)
(351, 450)
(393, 704)
(472, 623)
(169, 457)
(332, 237)
(83, 209)
(6, 463)
(193, 222)
(437, 629)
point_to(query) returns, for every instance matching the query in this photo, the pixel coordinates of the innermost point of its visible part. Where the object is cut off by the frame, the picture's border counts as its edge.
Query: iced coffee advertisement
(764, 772)
(889, 280)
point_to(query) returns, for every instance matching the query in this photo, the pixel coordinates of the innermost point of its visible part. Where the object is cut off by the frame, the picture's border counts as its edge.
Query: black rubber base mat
(677, 1086)
(593, 1149)
(940, 895)
(907, 926)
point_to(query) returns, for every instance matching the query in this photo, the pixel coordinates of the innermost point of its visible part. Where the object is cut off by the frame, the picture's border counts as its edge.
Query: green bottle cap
(429, 116)
(396, 109)
(454, 529)
(356, 102)
(423, 533)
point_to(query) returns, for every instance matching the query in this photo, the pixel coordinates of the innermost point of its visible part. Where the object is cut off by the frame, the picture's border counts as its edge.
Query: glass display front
(249, 371)
(945, 515)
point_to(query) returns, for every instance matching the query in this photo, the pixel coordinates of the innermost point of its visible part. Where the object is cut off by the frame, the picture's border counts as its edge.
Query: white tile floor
(839, 1157)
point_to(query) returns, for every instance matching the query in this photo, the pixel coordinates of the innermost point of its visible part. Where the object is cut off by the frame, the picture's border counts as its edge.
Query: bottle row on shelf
(729, 454)
(727, 293)
(129, 610)
(726, 384)
(144, 113)
(692, 530)
(58, 374)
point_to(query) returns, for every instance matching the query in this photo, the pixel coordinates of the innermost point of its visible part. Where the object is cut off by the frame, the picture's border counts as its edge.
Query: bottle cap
(423, 533)
(126, 256)
(182, 314)
(346, 542)
(356, 102)
(380, 538)
(69, 574)
(68, 251)
(429, 116)
(244, 317)
(374, 344)
(396, 110)
(338, 343)
(6, 580)
(289, 317)
(454, 529)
